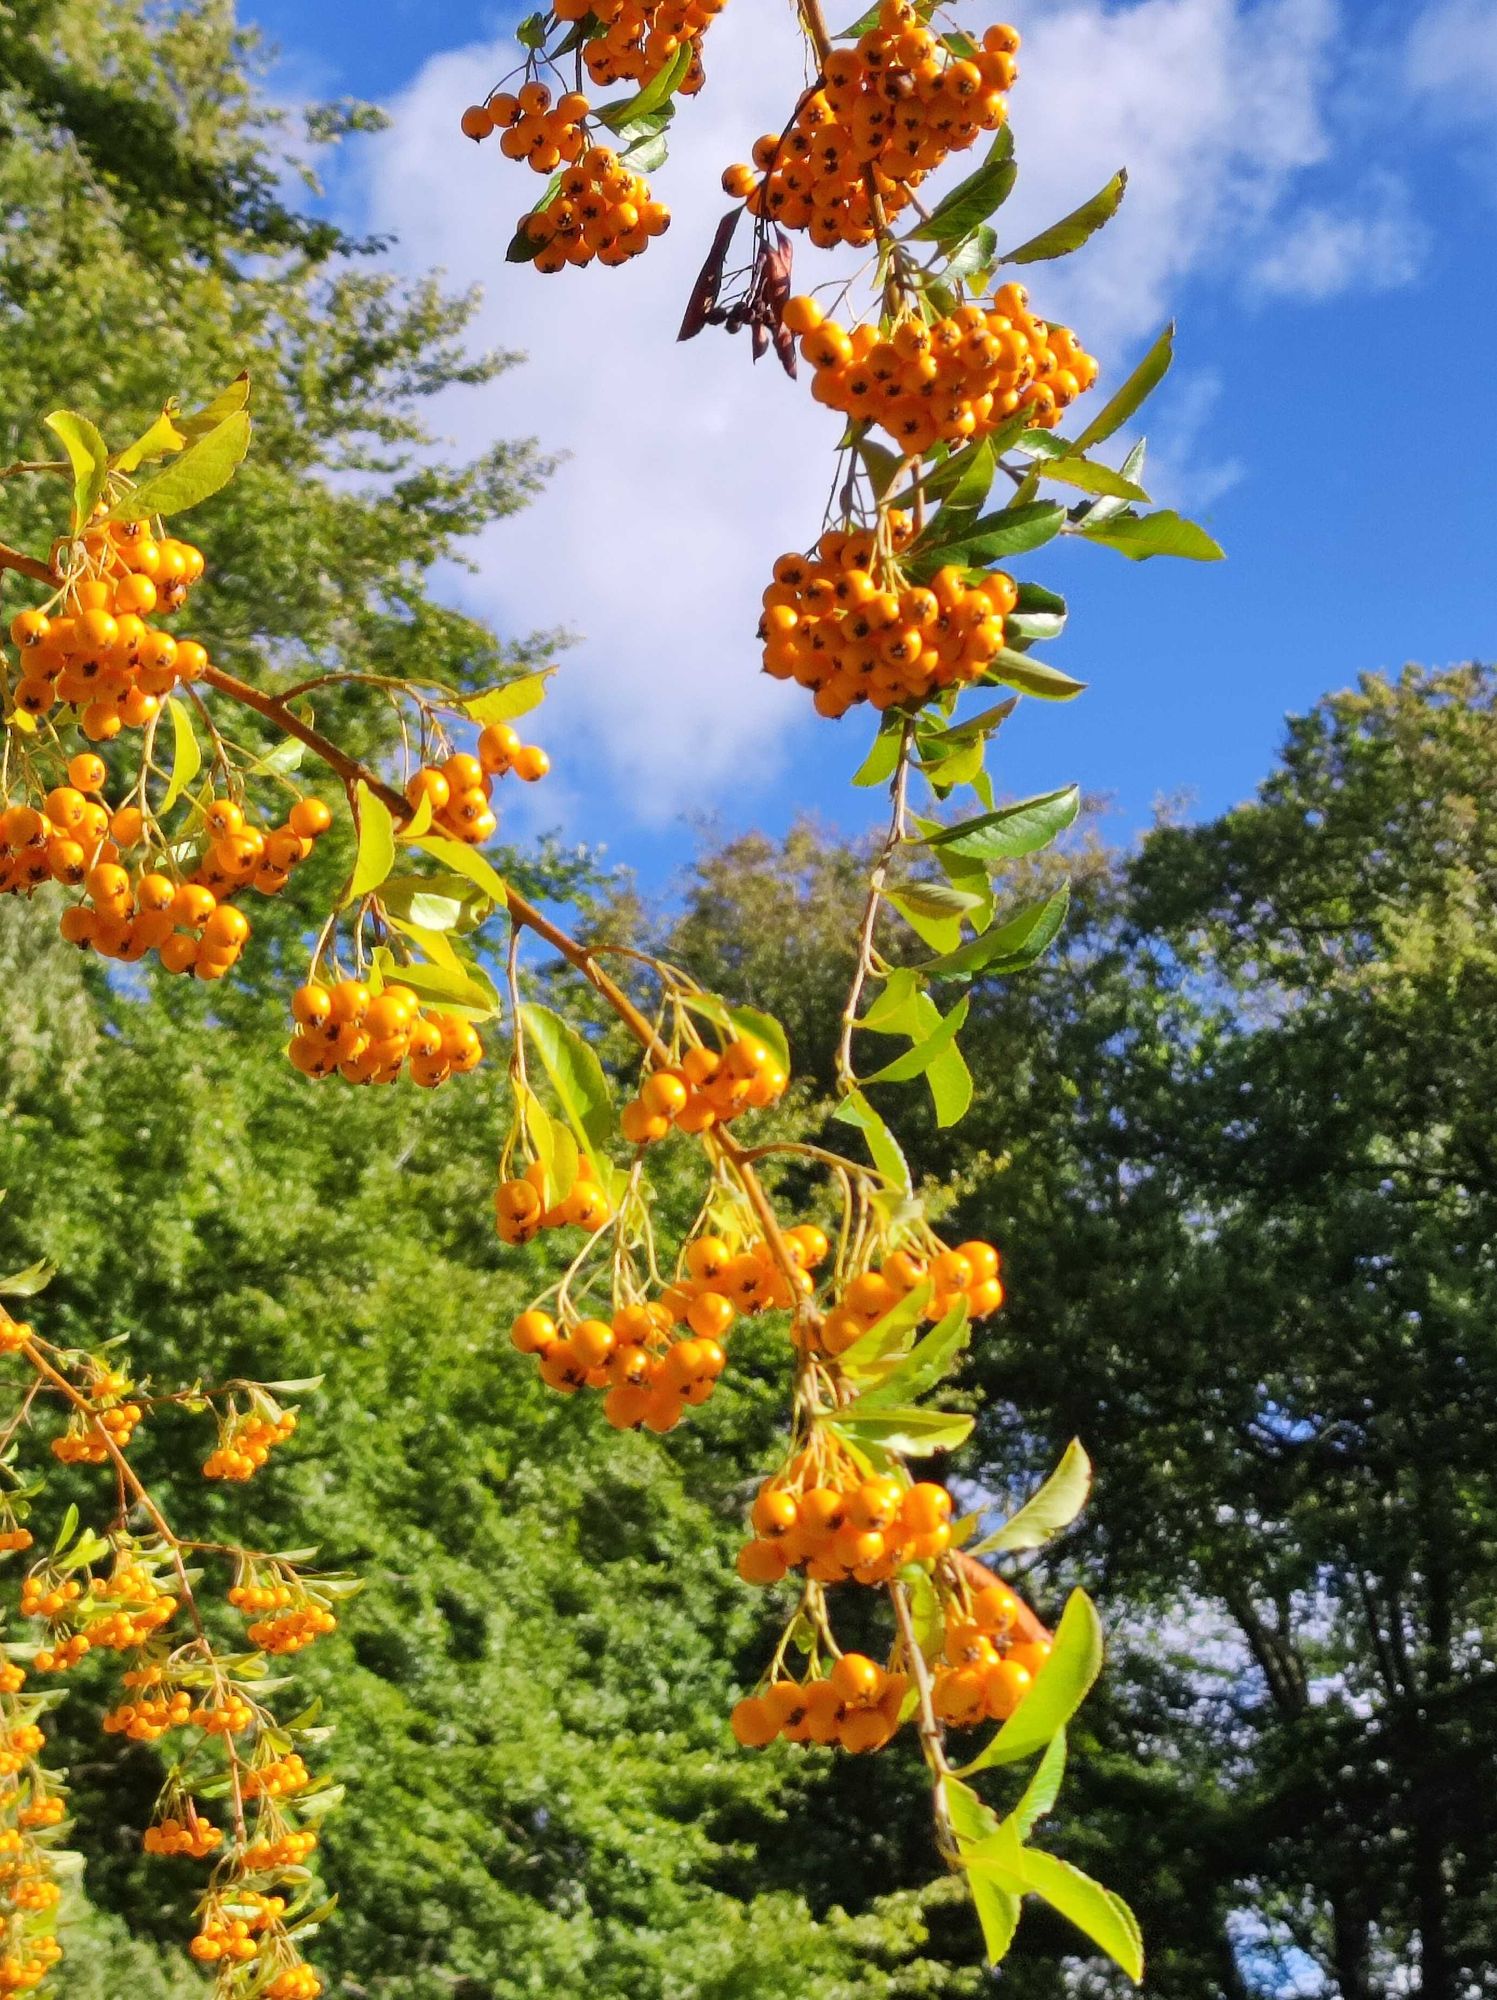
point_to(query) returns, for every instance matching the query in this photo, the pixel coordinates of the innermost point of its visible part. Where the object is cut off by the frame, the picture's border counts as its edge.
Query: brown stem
(32, 566)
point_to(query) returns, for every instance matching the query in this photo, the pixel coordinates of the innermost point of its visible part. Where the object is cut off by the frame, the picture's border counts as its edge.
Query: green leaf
(1013, 831)
(654, 96)
(504, 703)
(1013, 532)
(1040, 613)
(934, 911)
(1097, 1912)
(1054, 1507)
(910, 1433)
(1139, 536)
(465, 860)
(756, 1026)
(880, 463)
(964, 501)
(883, 1149)
(978, 726)
(376, 854)
(997, 1913)
(646, 155)
(1045, 683)
(949, 1081)
(66, 1529)
(1089, 477)
(971, 1820)
(461, 990)
(531, 32)
(576, 1076)
(1074, 229)
(917, 1060)
(928, 1362)
(194, 476)
(26, 1284)
(973, 200)
(159, 441)
(187, 758)
(1012, 945)
(977, 252)
(89, 457)
(1060, 1687)
(889, 1335)
(901, 1006)
(879, 766)
(227, 403)
(1043, 1788)
(1141, 384)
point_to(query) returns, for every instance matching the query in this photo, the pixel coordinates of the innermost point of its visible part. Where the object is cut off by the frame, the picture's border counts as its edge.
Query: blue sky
(1314, 194)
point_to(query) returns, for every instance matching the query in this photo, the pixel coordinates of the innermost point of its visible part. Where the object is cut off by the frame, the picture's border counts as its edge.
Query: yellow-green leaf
(576, 1076)
(465, 860)
(376, 855)
(503, 704)
(1054, 1507)
(187, 758)
(89, 457)
(227, 403)
(159, 441)
(1060, 1687)
(194, 476)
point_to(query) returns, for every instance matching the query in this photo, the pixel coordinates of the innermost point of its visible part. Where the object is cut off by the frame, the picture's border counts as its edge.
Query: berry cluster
(188, 921)
(947, 381)
(87, 1440)
(970, 1272)
(25, 1965)
(371, 1037)
(889, 111)
(599, 210)
(706, 1088)
(545, 134)
(288, 1850)
(461, 787)
(148, 1718)
(640, 37)
(839, 1526)
(94, 648)
(278, 1778)
(522, 1208)
(245, 1442)
(194, 1837)
(857, 1705)
(292, 1619)
(236, 1937)
(847, 625)
(985, 1671)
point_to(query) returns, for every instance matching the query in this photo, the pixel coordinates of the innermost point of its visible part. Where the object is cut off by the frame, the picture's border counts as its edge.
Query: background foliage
(1236, 1136)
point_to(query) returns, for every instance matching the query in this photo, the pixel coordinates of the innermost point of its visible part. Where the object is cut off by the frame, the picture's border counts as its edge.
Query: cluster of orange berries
(13, 1539)
(657, 1358)
(946, 381)
(86, 1440)
(46, 1809)
(970, 1272)
(288, 1850)
(194, 1837)
(521, 1210)
(18, 1746)
(641, 36)
(846, 624)
(25, 1966)
(547, 134)
(241, 856)
(294, 1619)
(857, 1705)
(371, 1037)
(461, 787)
(144, 1608)
(97, 650)
(855, 1529)
(39, 1599)
(65, 1655)
(277, 1779)
(889, 111)
(985, 1671)
(237, 1937)
(600, 210)
(148, 1719)
(296, 1982)
(246, 1442)
(705, 1089)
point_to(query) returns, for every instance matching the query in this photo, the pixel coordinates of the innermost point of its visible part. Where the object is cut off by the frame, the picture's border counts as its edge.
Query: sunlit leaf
(89, 457)
(1062, 237)
(192, 477)
(1053, 1508)
(1060, 1687)
(187, 757)
(376, 851)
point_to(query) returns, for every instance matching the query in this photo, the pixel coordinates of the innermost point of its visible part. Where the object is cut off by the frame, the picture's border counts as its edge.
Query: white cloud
(689, 470)
(1374, 245)
(1453, 54)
